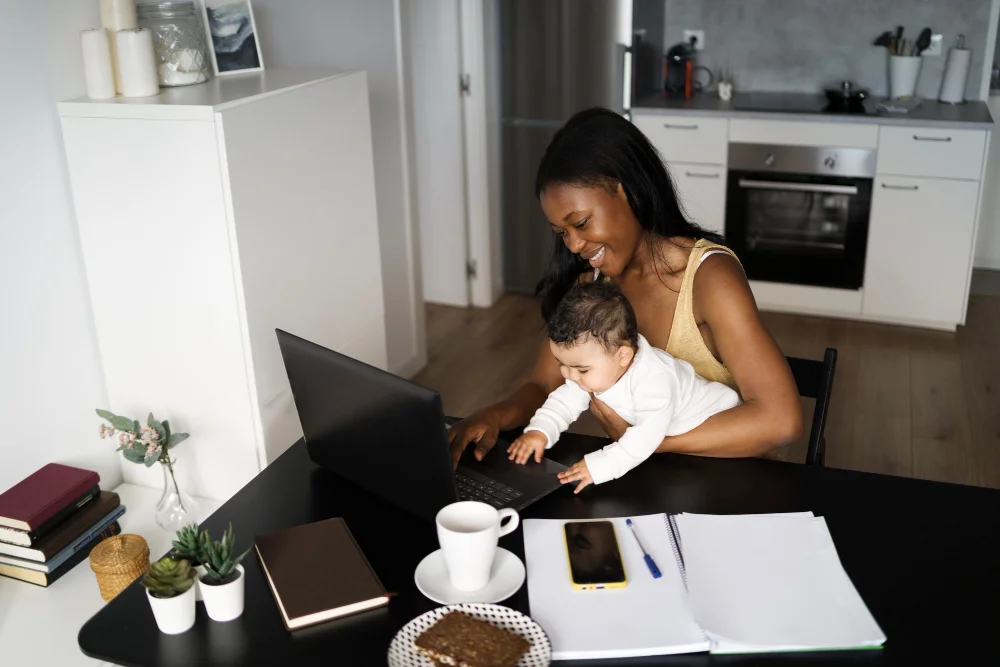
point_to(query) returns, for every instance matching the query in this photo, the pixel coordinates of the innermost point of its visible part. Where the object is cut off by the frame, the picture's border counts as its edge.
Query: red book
(43, 494)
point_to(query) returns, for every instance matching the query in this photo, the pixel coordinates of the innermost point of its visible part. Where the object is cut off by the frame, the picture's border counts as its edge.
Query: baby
(594, 337)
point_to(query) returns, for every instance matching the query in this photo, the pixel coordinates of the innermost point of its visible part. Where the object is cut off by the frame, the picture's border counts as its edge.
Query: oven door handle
(799, 187)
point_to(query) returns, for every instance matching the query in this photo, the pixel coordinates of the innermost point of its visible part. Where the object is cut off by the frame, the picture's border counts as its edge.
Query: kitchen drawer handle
(919, 138)
(694, 174)
(674, 126)
(900, 187)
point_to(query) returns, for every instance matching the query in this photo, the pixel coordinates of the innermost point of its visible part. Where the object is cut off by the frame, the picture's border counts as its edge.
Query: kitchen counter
(971, 115)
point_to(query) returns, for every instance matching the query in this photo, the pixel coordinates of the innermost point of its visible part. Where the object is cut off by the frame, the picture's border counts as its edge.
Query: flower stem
(170, 466)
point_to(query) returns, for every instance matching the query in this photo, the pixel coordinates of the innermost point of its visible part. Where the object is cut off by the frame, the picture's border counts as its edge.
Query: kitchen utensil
(922, 43)
(904, 48)
(885, 39)
(846, 97)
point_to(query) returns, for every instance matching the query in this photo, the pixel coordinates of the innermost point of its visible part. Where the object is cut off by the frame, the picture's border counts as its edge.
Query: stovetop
(795, 103)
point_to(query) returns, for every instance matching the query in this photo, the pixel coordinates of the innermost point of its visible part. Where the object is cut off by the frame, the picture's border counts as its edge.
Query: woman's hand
(609, 420)
(578, 472)
(481, 427)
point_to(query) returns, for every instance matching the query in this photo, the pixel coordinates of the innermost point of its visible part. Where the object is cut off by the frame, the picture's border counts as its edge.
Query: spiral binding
(670, 521)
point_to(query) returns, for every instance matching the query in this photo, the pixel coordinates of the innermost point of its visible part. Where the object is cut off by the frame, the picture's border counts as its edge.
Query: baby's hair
(597, 310)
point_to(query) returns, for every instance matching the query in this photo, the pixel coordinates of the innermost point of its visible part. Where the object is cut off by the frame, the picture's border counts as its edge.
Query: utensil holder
(903, 74)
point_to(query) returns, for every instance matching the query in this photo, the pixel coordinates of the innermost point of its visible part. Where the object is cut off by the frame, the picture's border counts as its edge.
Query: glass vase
(176, 508)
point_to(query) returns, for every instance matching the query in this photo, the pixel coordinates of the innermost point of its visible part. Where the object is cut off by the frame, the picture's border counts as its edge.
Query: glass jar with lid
(178, 39)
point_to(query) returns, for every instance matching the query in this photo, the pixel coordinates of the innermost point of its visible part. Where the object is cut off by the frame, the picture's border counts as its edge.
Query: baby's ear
(625, 354)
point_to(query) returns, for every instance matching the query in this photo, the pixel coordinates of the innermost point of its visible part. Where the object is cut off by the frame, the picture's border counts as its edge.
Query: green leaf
(166, 428)
(150, 420)
(176, 439)
(120, 423)
(136, 427)
(160, 431)
(132, 455)
(104, 414)
(152, 456)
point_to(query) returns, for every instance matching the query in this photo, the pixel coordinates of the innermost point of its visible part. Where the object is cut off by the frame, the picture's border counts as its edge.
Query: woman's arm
(485, 425)
(771, 414)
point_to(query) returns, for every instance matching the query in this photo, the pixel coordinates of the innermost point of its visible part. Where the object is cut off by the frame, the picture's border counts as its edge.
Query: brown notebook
(317, 572)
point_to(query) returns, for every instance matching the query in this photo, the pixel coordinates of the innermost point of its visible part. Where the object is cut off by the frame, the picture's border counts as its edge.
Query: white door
(702, 191)
(919, 249)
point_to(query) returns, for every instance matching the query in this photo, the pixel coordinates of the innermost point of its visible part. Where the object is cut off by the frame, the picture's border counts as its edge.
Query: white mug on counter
(468, 532)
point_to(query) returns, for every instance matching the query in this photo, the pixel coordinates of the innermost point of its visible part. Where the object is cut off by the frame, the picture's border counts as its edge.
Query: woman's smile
(596, 259)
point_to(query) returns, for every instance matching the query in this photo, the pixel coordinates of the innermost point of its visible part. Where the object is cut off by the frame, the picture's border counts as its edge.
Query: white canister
(903, 74)
(137, 63)
(97, 69)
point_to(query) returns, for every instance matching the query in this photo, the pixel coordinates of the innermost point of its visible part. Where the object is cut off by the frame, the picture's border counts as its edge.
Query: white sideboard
(924, 216)
(209, 216)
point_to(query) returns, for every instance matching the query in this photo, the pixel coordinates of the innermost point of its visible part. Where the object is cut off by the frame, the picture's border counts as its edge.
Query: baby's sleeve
(561, 408)
(635, 446)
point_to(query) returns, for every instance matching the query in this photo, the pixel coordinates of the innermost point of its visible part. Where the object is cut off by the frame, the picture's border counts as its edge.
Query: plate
(506, 578)
(402, 652)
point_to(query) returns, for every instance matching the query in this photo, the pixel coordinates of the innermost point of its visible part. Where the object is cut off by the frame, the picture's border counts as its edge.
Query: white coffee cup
(468, 532)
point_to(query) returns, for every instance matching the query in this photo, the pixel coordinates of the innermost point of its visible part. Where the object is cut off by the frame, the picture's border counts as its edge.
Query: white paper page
(647, 617)
(761, 583)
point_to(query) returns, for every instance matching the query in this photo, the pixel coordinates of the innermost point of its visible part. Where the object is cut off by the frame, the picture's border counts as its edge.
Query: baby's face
(590, 365)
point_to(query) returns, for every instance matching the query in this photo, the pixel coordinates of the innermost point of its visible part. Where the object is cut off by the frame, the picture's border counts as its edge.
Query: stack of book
(51, 520)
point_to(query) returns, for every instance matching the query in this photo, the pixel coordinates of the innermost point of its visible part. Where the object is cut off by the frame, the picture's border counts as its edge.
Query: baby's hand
(578, 472)
(530, 443)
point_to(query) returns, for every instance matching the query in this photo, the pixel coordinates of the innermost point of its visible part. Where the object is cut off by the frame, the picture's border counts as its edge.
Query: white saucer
(506, 577)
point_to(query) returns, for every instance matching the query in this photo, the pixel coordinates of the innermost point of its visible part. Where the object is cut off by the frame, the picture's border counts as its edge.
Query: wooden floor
(905, 401)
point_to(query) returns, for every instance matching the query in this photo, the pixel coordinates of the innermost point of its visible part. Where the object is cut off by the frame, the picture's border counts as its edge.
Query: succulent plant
(188, 545)
(218, 559)
(168, 577)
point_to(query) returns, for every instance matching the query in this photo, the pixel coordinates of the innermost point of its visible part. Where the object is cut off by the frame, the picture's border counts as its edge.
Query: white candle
(137, 63)
(117, 15)
(97, 70)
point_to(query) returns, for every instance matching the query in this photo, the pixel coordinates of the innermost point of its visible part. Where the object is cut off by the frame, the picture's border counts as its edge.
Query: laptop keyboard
(473, 486)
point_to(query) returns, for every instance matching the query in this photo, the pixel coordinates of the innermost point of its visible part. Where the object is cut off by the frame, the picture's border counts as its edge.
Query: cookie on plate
(460, 640)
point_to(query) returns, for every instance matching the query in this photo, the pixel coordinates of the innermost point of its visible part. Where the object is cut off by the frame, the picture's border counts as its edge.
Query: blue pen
(650, 563)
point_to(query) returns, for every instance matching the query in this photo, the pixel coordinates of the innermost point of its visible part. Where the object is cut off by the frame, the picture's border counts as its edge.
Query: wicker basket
(117, 562)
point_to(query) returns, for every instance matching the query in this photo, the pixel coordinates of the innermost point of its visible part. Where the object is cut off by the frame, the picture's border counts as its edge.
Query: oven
(799, 214)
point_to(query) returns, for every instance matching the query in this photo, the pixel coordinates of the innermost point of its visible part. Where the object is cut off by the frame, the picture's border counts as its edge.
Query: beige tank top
(685, 341)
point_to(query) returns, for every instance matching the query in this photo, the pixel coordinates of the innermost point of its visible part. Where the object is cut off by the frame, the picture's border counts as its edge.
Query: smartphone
(594, 558)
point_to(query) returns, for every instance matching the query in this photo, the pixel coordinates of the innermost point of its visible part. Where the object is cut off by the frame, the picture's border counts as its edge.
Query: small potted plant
(169, 585)
(187, 546)
(222, 585)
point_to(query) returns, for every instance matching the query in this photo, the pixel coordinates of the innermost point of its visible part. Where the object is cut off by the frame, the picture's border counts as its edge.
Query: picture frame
(232, 36)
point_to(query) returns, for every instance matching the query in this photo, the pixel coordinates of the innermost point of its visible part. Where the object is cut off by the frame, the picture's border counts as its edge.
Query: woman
(613, 208)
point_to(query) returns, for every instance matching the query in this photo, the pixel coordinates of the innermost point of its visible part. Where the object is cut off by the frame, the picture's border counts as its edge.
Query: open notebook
(730, 584)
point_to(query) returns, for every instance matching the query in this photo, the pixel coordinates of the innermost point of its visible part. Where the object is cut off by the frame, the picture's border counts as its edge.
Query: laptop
(389, 436)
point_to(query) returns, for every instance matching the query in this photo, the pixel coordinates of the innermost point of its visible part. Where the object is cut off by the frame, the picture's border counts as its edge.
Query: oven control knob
(829, 163)
(769, 159)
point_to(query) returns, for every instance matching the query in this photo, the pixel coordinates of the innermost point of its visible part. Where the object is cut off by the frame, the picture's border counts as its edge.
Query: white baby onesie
(659, 395)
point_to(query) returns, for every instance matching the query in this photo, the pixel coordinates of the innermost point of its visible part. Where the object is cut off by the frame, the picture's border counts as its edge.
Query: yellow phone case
(598, 586)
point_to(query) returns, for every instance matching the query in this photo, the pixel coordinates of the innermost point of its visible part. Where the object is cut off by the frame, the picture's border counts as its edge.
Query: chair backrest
(814, 379)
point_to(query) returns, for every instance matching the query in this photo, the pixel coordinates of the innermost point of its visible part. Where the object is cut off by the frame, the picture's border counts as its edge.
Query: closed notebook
(68, 531)
(317, 572)
(42, 495)
(48, 578)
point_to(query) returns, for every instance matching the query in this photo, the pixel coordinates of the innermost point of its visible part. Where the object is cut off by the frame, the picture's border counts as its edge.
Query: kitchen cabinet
(702, 190)
(208, 216)
(943, 153)
(919, 250)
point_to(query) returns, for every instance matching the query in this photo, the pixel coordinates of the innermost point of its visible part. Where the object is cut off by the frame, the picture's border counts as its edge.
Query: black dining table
(924, 555)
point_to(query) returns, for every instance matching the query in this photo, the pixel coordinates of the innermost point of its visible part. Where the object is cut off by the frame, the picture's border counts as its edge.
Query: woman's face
(594, 223)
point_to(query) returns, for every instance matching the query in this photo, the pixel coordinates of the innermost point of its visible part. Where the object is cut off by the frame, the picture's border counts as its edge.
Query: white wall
(433, 62)
(50, 373)
(363, 34)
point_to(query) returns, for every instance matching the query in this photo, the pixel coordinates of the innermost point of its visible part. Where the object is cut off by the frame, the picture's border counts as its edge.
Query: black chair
(814, 379)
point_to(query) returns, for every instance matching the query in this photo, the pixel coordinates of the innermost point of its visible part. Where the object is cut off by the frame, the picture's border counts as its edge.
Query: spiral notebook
(730, 584)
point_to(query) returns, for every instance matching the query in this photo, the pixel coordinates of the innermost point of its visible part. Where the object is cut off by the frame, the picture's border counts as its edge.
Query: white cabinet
(696, 150)
(702, 189)
(937, 152)
(919, 250)
(210, 215)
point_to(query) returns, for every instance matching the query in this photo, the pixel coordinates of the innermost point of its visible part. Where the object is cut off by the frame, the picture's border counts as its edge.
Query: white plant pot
(200, 572)
(173, 615)
(225, 602)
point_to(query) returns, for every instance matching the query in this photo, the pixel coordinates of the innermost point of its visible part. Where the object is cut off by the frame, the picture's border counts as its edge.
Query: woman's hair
(595, 311)
(599, 148)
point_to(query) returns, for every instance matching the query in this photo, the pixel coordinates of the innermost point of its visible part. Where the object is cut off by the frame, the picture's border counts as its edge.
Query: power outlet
(699, 35)
(935, 48)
